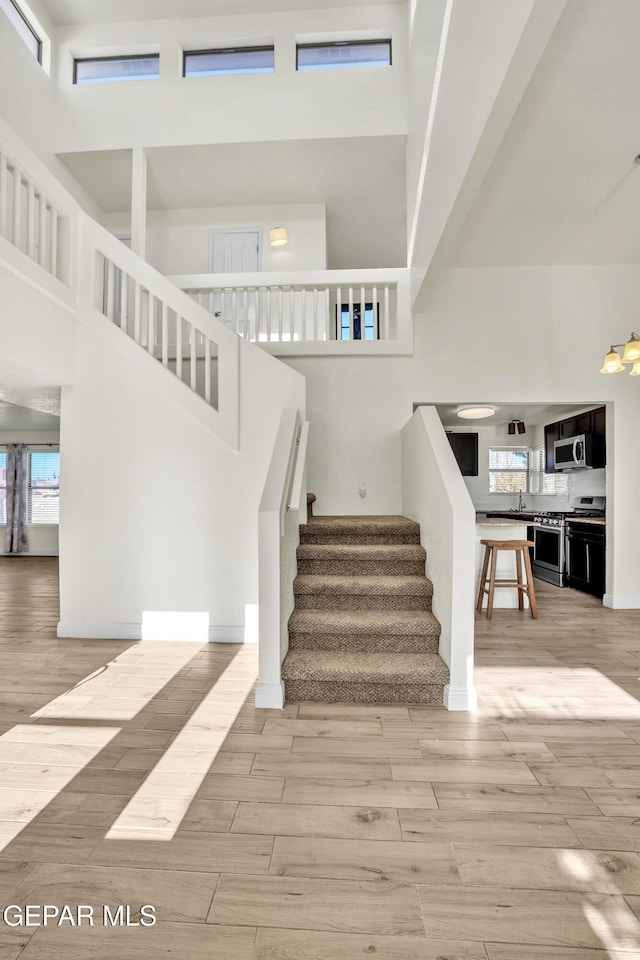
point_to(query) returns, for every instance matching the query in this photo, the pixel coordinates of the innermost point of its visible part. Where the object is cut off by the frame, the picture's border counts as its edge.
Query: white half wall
(157, 514)
(434, 494)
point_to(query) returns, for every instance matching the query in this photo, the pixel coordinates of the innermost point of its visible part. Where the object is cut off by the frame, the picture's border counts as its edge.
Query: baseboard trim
(270, 696)
(460, 698)
(621, 603)
(100, 630)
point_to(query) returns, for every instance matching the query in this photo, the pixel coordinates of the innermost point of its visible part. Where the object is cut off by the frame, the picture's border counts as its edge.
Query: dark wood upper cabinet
(593, 422)
(465, 449)
(551, 434)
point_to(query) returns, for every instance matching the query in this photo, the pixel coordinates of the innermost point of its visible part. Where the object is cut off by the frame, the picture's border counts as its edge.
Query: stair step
(400, 631)
(367, 560)
(360, 530)
(364, 678)
(362, 593)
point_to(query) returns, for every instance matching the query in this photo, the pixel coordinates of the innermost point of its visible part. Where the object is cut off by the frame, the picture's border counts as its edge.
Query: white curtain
(17, 493)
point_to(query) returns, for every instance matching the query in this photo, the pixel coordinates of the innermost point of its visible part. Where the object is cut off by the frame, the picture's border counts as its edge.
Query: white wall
(434, 495)
(285, 105)
(178, 240)
(507, 334)
(166, 511)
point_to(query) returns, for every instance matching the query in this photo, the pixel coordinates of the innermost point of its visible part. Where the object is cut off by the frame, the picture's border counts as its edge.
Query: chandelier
(614, 363)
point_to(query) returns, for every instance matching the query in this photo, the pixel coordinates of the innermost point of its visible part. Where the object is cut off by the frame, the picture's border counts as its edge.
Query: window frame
(30, 27)
(325, 44)
(369, 307)
(111, 59)
(30, 488)
(534, 476)
(255, 48)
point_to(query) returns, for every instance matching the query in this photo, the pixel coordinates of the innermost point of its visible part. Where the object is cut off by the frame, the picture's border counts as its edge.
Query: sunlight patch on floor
(122, 688)
(553, 693)
(30, 785)
(160, 804)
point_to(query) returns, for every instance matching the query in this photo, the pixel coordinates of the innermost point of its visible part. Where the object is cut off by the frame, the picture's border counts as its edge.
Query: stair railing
(278, 539)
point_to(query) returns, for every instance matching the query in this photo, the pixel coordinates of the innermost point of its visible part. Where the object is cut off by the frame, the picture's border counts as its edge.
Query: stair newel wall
(278, 539)
(434, 494)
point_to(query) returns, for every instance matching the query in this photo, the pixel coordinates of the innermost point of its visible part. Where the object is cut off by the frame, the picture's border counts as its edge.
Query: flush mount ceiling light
(614, 363)
(476, 413)
(278, 237)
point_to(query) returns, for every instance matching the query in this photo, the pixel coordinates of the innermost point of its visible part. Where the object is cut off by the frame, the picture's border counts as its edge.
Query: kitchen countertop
(596, 520)
(500, 523)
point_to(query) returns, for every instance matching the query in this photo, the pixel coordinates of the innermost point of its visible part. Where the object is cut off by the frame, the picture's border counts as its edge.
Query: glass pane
(44, 500)
(116, 69)
(3, 484)
(507, 481)
(370, 327)
(19, 21)
(326, 56)
(508, 459)
(216, 62)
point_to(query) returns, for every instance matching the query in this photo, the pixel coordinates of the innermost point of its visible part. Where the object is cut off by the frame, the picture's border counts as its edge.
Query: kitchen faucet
(521, 503)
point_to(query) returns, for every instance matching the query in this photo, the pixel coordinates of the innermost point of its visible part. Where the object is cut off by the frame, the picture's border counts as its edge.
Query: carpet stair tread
(385, 668)
(367, 622)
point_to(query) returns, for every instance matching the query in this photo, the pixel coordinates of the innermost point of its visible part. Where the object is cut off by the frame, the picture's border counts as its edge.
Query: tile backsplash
(582, 483)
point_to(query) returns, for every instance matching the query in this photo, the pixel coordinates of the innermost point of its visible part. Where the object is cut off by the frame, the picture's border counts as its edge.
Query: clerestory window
(230, 60)
(343, 53)
(116, 69)
(19, 18)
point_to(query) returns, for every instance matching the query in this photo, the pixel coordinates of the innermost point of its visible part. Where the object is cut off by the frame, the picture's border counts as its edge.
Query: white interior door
(235, 251)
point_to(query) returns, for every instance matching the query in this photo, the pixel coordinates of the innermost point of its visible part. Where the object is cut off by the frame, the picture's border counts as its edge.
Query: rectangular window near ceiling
(44, 487)
(116, 69)
(19, 19)
(358, 53)
(211, 63)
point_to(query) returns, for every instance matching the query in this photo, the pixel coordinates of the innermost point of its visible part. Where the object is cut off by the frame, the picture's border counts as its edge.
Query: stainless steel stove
(549, 537)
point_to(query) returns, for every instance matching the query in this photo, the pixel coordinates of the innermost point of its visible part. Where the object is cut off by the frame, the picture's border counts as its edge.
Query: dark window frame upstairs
(324, 45)
(219, 51)
(121, 56)
(30, 28)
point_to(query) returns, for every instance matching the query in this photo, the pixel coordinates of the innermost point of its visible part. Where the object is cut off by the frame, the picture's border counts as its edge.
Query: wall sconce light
(278, 237)
(516, 425)
(614, 363)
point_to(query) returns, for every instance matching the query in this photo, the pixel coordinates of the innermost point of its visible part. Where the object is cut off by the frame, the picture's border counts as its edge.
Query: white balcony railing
(327, 311)
(29, 220)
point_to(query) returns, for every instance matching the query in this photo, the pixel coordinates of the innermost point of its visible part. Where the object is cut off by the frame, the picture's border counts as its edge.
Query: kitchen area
(536, 472)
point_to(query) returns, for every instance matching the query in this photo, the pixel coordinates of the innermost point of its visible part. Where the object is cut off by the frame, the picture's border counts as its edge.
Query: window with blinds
(44, 487)
(518, 469)
(3, 487)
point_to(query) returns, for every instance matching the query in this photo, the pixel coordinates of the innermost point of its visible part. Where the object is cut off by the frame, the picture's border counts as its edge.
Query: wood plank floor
(140, 773)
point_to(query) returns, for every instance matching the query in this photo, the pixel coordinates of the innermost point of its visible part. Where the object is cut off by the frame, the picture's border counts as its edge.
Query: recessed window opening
(116, 69)
(210, 63)
(19, 19)
(356, 53)
(520, 469)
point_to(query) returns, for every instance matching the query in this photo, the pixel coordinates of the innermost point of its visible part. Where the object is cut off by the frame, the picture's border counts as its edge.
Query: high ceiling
(564, 188)
(366, 224)
(64, 12)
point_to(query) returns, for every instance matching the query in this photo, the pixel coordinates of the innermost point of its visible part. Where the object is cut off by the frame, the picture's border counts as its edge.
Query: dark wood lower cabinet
(585, 557)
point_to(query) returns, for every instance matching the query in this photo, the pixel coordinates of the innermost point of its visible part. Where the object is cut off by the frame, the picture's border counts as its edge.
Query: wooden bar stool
(521, 551)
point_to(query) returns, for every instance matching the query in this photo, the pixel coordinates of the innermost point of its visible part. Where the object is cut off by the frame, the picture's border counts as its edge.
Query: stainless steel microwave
(573, 454)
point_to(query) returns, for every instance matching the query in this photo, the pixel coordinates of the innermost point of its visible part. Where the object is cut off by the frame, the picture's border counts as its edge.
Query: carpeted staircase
(362, 630)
